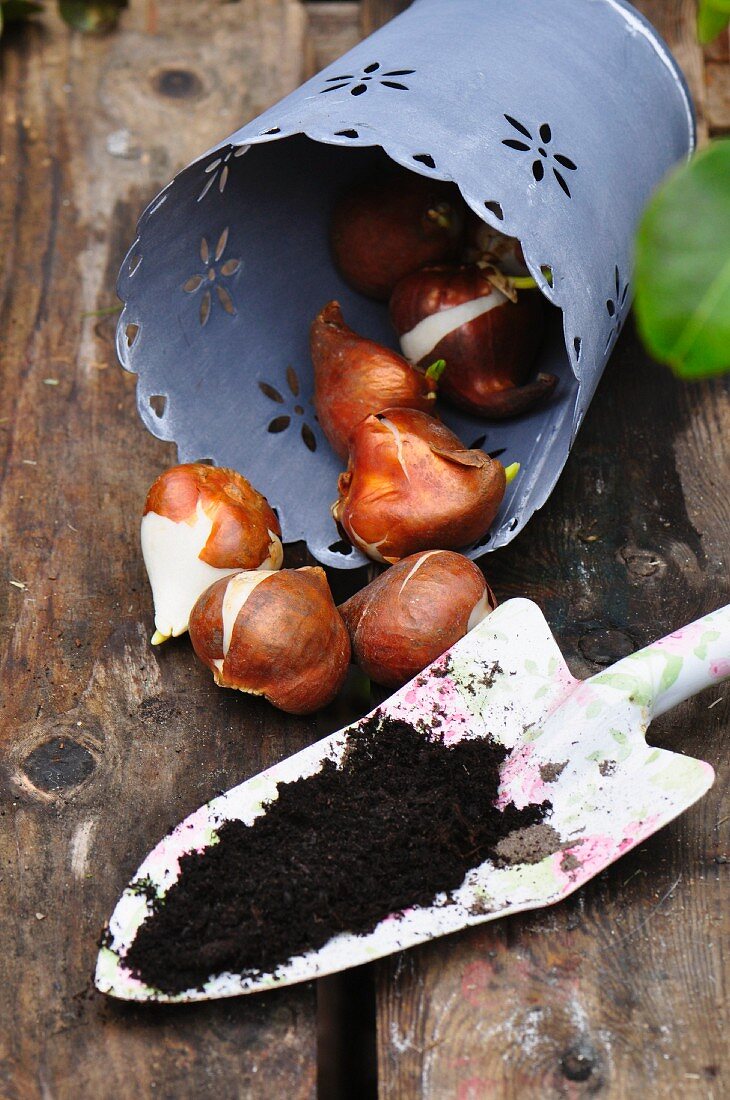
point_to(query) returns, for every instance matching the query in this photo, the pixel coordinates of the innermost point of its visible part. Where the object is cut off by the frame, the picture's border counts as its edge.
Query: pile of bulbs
(470, 322)
(212, 547)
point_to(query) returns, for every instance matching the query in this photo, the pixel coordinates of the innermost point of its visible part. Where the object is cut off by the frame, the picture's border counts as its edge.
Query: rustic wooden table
(105, 743)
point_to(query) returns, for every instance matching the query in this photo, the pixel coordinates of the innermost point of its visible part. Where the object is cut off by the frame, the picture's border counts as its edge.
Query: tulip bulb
(202, 523)
(485, 243)
(413, 613)
(273, 634)
(384, 229)
(489, 342)
(354, 377)
(411, 485)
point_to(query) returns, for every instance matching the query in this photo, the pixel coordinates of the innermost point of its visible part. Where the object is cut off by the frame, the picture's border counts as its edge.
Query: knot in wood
(578, 1063)
(177, 84)
(603, 647)
(58, 764)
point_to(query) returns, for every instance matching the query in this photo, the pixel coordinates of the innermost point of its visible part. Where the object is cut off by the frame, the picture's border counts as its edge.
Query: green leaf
(713, 17)
(683, 266)
(91, 16)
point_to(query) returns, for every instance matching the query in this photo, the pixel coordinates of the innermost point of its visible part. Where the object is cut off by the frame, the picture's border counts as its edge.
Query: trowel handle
(682, 664)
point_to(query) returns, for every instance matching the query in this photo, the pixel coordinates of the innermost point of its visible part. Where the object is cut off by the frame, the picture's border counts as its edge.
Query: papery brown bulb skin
(484, 242)
(383, 229)
(201, 523)
(411, 485)
(354, 377)
(489, 342)
(243, 521)
(406, 618)
(274, 634)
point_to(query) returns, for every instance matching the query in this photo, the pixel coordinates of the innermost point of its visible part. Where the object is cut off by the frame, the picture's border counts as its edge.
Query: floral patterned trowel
(580, 745)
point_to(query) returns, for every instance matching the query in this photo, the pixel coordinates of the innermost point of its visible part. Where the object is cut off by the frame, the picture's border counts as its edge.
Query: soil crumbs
(401, 819)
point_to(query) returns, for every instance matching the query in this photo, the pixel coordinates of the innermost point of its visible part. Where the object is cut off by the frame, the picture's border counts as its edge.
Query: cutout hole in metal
(496, 209)
(483, 542)
(293, 381)
(271, 392)
(131, 332)
(158, 403)
(425, 158)
(309, 438)
(341, 547)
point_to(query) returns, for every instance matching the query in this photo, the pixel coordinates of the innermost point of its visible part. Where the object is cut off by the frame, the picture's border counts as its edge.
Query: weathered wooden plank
(615, 992)
(718, 97)
(105, 744)
(334, 28)
(676, 22)
(719, 48)
(377, 12)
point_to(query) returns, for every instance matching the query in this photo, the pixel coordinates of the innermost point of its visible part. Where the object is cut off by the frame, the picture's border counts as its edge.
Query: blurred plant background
(683, 251)
(91, 16)
(682, 279)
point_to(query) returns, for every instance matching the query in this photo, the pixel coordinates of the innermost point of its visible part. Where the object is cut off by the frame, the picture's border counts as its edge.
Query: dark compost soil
(401, 819)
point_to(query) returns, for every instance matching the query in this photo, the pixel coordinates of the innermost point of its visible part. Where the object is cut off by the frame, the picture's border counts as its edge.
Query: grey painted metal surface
(556, 119)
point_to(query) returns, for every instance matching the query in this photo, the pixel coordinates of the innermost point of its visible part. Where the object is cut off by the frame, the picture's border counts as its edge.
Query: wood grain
(377, 12)
(676, 22)
(616, 992)
(717, 105)
(333, 29)
(105, 743)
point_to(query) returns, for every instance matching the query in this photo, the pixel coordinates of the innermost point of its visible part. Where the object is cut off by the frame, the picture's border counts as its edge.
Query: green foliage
(683, 266)
(92, 16)
(713, 17)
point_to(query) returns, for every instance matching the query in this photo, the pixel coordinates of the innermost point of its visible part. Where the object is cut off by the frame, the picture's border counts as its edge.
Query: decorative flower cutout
(360, 81)
(215, 271)
(615, 308)
(218, 170)
(289, 412)
(544, 156)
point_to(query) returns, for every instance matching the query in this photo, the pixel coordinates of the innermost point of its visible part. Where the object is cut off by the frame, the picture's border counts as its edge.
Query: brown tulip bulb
(412, 485)
(489, 342)
(384, 229)
(202, 523)
(273, 634)
(413, 613)
(485, 243)
(354, 377)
